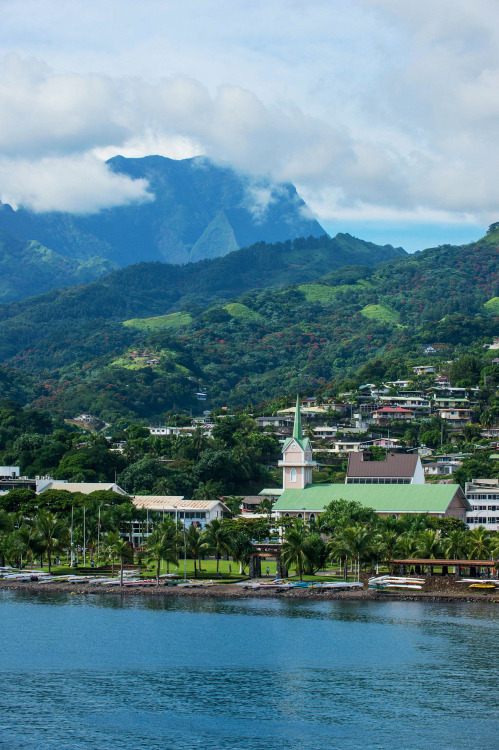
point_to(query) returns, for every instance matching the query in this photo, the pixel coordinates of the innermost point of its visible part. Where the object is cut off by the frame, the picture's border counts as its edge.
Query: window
(292, 475)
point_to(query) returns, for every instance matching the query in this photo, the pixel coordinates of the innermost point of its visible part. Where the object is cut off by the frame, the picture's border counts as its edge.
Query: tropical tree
(455, 544)
(234, 504)
(389, 539)
(351, 542)
(266, 507)
(479, 543)
(111, 540)
(315, 552)
(294, 546)
(52, 532)
(195, 545)
(207, 490)
(242, 548)
(429, 545)
(161, 544)
(119, 548)
(217, 538)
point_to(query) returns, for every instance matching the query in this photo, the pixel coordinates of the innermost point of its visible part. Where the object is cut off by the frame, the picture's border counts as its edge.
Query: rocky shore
(229, 591)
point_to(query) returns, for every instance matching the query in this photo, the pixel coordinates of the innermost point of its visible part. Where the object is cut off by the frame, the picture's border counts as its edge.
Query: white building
(483, 496)
(187, 512)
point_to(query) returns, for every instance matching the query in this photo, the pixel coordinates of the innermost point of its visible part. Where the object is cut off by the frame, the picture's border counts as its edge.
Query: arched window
(299, 515)
(292, 475)
(312, 516)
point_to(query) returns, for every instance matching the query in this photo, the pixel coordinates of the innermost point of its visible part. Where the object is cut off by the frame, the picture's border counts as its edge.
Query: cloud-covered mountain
(196, 210)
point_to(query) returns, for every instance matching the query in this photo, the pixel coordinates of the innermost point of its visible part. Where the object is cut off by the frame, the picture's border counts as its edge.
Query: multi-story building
(483, 496)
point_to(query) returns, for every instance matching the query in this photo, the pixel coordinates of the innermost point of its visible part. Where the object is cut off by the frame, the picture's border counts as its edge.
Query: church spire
(297, 431)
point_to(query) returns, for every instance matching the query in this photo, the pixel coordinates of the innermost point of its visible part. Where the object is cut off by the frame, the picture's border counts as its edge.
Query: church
(388, 496)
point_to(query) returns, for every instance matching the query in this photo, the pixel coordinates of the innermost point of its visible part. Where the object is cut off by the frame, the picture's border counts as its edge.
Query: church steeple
(297, 430)
(297, 462)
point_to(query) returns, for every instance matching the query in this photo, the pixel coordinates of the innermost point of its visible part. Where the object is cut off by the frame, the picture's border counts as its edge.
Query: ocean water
(107, 673)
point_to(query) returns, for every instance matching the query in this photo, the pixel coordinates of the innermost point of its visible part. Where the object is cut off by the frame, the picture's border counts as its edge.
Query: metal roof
(173, 503)
(383, 498)
(395, 465)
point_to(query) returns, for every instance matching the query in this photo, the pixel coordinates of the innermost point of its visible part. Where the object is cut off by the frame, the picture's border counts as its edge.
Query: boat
(483, 585)
(493, 581)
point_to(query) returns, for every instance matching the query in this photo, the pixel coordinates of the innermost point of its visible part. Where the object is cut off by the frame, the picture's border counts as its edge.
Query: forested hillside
(149, 289)
(253, 347)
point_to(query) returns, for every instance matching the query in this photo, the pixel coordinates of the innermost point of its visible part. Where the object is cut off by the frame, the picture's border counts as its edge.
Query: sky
(383, 113)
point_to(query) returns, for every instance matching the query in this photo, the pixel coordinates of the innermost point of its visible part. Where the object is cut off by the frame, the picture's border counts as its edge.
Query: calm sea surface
(102, 673)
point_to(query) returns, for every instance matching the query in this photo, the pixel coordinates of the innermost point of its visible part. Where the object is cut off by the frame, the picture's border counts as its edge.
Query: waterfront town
(369, 480)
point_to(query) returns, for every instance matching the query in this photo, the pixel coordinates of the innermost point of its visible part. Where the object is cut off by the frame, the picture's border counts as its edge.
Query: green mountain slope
(156, 289)
(257, 344)
(28, 268)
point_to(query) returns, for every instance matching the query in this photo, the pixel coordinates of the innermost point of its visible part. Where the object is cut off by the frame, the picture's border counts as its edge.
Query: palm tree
(207, 490)
(479, 543)
(7, 525)
(455, 544)
(52, 532)
(315, 552)
(266, 507)
(120, 548)
(195, 545)
(293, 547)
(494, 546)
(429, 545)
(111, 539)
(217, 538)
(351, 542)
(161, 544)
(26, 540)
(389, 540)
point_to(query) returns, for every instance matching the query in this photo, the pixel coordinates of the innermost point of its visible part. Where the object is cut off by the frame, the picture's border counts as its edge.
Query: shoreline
(230, 591)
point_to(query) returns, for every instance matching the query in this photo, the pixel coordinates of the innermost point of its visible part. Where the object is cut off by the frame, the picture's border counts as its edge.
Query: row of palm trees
(358, 544)
(46, 534)
(306, 548)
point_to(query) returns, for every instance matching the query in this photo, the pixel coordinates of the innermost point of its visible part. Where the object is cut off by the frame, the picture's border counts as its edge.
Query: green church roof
(383, 498)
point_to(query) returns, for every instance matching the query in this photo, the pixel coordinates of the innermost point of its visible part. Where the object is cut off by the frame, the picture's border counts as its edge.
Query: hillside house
(456, 417)
(424, 370)
(389, 413)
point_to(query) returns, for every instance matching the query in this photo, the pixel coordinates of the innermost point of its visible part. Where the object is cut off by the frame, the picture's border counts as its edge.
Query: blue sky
(384, 113)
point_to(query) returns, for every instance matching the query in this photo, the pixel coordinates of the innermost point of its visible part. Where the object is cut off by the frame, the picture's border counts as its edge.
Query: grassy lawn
(173, 320)
(380, 313)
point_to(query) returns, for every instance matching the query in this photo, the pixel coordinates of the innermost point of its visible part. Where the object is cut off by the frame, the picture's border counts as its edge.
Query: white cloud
(374, 107)
(78, 184)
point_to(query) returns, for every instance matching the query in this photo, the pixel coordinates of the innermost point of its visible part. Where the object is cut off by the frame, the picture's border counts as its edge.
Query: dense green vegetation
(28, 268)
(232, 462)
(303, 337)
